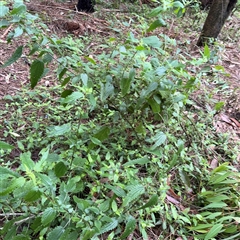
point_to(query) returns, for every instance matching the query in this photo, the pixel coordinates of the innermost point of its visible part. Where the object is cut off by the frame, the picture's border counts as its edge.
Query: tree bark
(218, 13)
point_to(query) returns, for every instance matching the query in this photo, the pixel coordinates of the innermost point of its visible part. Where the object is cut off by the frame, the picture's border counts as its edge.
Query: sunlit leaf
(214, 231)
(48, 216)
(5, 146)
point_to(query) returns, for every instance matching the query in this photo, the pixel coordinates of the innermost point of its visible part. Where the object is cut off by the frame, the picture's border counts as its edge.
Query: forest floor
(62, 20)
(218, 84)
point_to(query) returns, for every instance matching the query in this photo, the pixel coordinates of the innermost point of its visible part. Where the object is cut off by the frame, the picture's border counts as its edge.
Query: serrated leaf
(6, 171)
(56, 233)
(214, 231)
(60, 169)
(159, 139)
(117, 190)
(59, 130)
(46, 180)
(32, 196)
(158, 23)
(88, 234)
(27, 162)
(5, 146)
(36, 72)
(16, 55)
(109, 226)
(135, 192)
(15, 183)
(82, 204)
(48, 216)
(153, 201)
(130, 227)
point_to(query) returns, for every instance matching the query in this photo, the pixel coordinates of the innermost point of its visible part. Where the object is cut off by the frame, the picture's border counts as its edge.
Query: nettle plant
(102, 173)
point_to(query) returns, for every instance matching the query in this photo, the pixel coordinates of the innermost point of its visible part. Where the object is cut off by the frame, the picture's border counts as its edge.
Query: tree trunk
(218, 13)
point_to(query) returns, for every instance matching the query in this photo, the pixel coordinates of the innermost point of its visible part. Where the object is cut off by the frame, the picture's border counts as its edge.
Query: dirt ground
(54, 14)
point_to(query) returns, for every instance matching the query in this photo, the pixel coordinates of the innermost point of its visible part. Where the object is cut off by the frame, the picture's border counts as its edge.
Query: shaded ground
(62, 20)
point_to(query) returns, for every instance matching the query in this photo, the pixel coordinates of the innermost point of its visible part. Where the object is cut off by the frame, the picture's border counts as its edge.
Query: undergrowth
(117, 149)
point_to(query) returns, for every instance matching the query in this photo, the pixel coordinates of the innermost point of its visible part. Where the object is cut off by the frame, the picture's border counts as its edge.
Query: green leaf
(185, 178)
(215, 205)
(135, 192)
(81, 203)
(117, 190)
(73, 97)
(178, 4)
(125, 85)
(60, 169)
(36, 72)
(152, 41)
(84, 78)
(130, 227)
(207, 52)
(32, 196)
(159, 139)
(7, 171)
(15, 183)
(3, 11)
(214, 231)
(233, 237)
(27, 162)
(107, 89)
(218, 106)
(139, 161)
(48, 216)
(153, 201)
(158, 23)
(109, 226)
(18, 10)
(16, 55)
(65, 81)
(55, 131)
(155, 106)
(56, 233)
(5, 146)
(102, 133)
(156, 11)
(66, 93)
(88, 234)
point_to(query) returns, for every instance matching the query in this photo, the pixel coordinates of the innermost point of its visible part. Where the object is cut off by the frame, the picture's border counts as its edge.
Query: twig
(6, 32)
